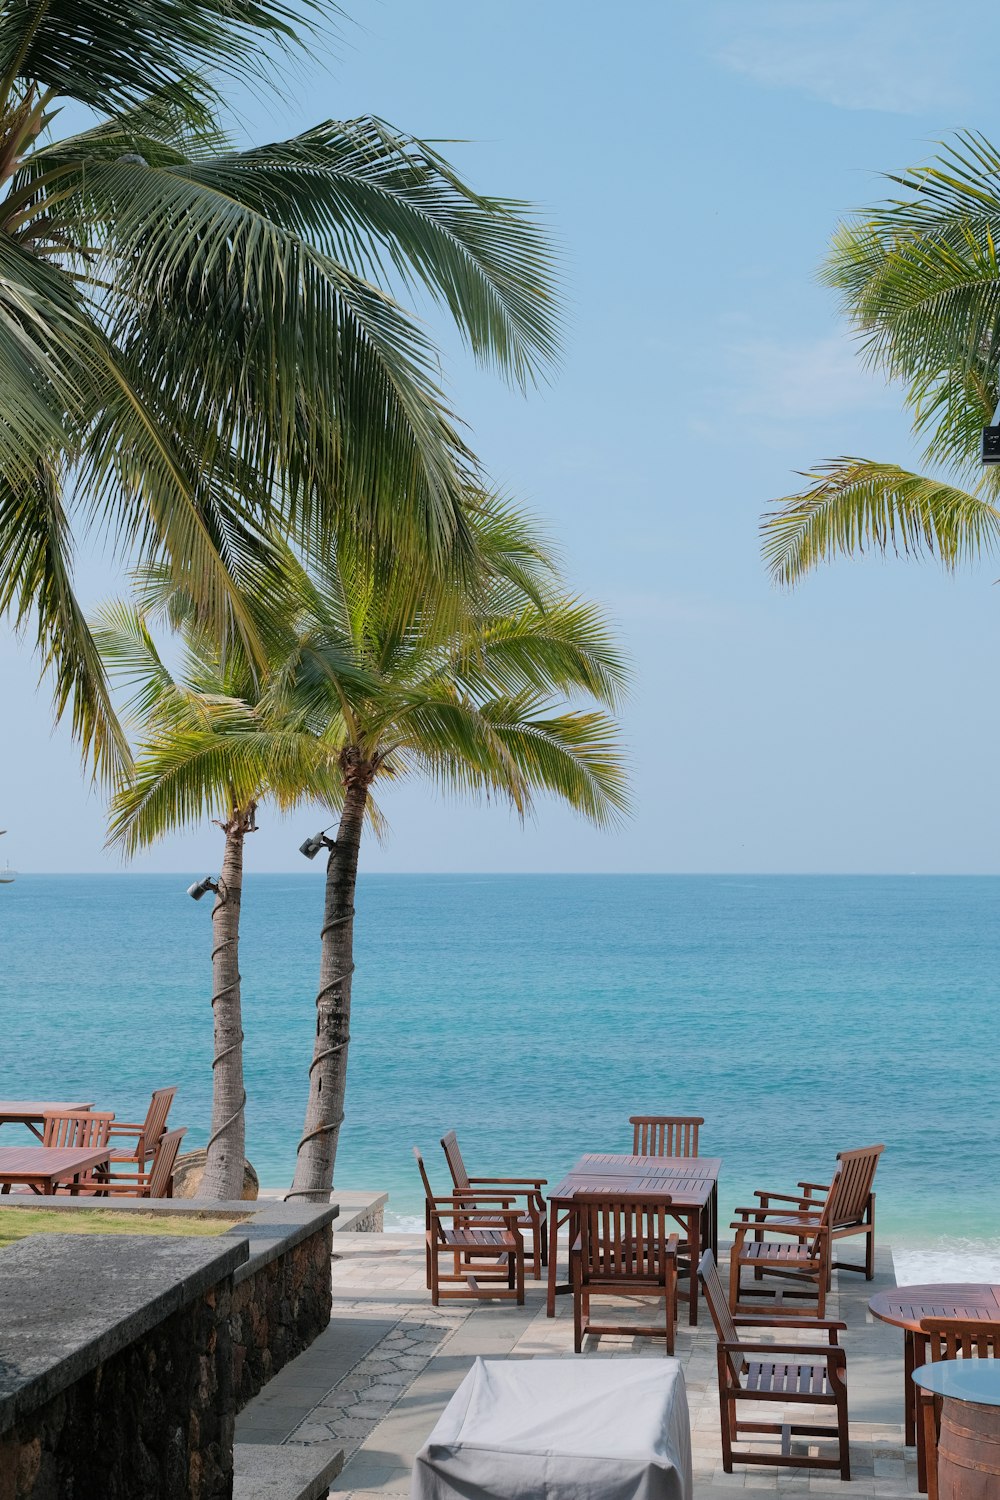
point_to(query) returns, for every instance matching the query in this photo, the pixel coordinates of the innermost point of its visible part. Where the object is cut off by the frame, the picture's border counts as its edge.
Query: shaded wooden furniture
(528, 1190)
(31, 1112)
(959, 1398)
(480, 1236)
(42, 1169)
(906, 1307)
(158, 1182)
(146, 1134)
(623, 1248)
(777, 1375)
(852, 1211)
(688, 1186)
(665, 1135)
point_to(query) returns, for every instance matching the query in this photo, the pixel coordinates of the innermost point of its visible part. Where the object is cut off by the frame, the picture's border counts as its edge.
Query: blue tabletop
(976, 1380)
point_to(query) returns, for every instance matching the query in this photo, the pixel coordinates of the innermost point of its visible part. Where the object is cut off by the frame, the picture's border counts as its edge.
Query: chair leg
(435, 1270)
(843, 1435)
(543, 1236)
(671, 1301)
(870, 1241)
(519, 1274)
(734, 1278)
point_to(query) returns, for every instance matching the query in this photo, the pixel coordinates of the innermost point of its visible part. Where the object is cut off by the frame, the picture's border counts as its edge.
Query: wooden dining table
(43, 1168)
(905, 1307)
(32, 1112)
(687, 1185)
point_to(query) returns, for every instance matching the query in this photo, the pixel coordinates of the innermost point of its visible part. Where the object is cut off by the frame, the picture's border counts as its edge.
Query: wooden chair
(780, 1374)
(665, 1135)
(481, 1236)
(948, 1338)
(147, 1133)
(623, 1249)
(158, 1182)
(853, 1210)
(802, 1256)
(533, 1218)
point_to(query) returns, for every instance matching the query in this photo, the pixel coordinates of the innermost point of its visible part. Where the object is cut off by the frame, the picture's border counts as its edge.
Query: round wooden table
(968, 1451)
(905, 1307)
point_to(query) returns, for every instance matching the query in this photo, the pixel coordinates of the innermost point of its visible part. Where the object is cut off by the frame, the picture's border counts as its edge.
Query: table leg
(35, 1131)
(694, 1239)
(919, 1358)
(550, 1295)
(715, 1219)
(909, 1390)
(48, 1188)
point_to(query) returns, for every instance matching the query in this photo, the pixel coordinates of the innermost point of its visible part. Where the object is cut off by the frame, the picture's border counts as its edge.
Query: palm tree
(208, 747)
(920, 281)
(468, 691)
(199, 343)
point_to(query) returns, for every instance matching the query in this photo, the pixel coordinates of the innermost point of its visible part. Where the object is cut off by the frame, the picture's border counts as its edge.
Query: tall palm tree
(468, 691)
(208, 749)
(372, 675)
(920, 281)
(198, 343)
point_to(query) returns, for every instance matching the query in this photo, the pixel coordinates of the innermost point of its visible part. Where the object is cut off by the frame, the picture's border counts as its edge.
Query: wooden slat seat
(525, 1193)
(786, 1375)
(158, 1182)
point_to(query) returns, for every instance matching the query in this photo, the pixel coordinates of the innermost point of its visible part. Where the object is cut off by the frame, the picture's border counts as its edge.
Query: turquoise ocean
(534, 1014)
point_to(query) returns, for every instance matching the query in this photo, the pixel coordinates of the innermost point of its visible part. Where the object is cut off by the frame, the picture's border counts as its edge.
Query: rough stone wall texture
(278, 1311)
(372, 1222)
(154, 1422)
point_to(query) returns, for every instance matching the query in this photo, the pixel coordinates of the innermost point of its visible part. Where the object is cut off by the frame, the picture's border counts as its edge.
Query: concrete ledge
(68, 1302)
(359, 1209)
(270, 1226)
(268, 1471)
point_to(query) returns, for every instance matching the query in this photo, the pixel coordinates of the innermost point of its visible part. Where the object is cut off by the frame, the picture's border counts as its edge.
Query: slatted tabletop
(688, 1183)
(42, 1167)
(905, 1306)
(32, 1112)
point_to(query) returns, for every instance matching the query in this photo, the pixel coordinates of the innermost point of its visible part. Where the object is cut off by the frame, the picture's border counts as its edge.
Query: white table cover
(561, 1429)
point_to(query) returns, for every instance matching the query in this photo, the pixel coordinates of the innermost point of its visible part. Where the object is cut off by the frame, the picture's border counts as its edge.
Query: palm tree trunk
(328, 1071)
(223, 1178)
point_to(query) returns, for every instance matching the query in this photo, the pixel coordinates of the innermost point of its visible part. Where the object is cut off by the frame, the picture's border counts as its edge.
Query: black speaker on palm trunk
(991, 445)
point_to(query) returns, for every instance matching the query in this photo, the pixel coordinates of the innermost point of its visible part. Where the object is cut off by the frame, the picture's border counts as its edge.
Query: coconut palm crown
(919, 279)
(498, 685)
(198, 342)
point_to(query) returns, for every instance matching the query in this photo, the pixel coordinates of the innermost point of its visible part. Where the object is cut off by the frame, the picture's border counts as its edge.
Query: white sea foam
(403, 1223)
(948, 1260)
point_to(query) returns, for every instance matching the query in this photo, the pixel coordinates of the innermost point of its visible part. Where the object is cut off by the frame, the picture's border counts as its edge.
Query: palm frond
(854, 505)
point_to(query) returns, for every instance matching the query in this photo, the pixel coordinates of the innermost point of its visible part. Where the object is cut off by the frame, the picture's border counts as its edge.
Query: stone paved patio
(375, 1382)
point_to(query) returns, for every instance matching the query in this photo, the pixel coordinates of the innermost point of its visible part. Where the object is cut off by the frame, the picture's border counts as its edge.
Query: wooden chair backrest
(961, 1338)
(156, 1116)
(428, 1190)
(77, 1128)
(456, 1165)
(665, 1135)
(622, 1239)
(164, 1160)
(853, 1184)
(718, 1306)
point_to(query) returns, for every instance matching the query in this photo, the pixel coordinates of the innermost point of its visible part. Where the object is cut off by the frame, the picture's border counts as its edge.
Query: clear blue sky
(692, 157)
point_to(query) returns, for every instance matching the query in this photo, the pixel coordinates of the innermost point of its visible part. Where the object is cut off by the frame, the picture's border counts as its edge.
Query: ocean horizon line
(317, 872)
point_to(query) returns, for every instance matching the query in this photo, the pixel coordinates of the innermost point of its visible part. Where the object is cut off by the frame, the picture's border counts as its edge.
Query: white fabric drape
(561, 1429)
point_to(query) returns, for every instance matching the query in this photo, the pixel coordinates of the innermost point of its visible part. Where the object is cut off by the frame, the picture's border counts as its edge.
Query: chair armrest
(815, 1187)
(535, 1182)
(765, 1199)
(467, 1202)
(814, 1214)
(834, 1325)
(831, 1352)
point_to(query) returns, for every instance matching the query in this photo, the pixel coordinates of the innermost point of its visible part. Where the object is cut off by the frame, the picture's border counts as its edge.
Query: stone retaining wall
(277, 1311)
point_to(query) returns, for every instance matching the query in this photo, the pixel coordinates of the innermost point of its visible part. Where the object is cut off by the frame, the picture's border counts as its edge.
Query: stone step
(273, 1471)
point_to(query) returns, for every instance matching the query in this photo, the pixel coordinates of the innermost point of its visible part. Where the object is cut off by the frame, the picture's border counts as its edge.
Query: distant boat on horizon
(7, 875)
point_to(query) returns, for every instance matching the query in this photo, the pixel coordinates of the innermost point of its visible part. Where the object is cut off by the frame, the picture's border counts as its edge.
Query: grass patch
(18, 1223)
